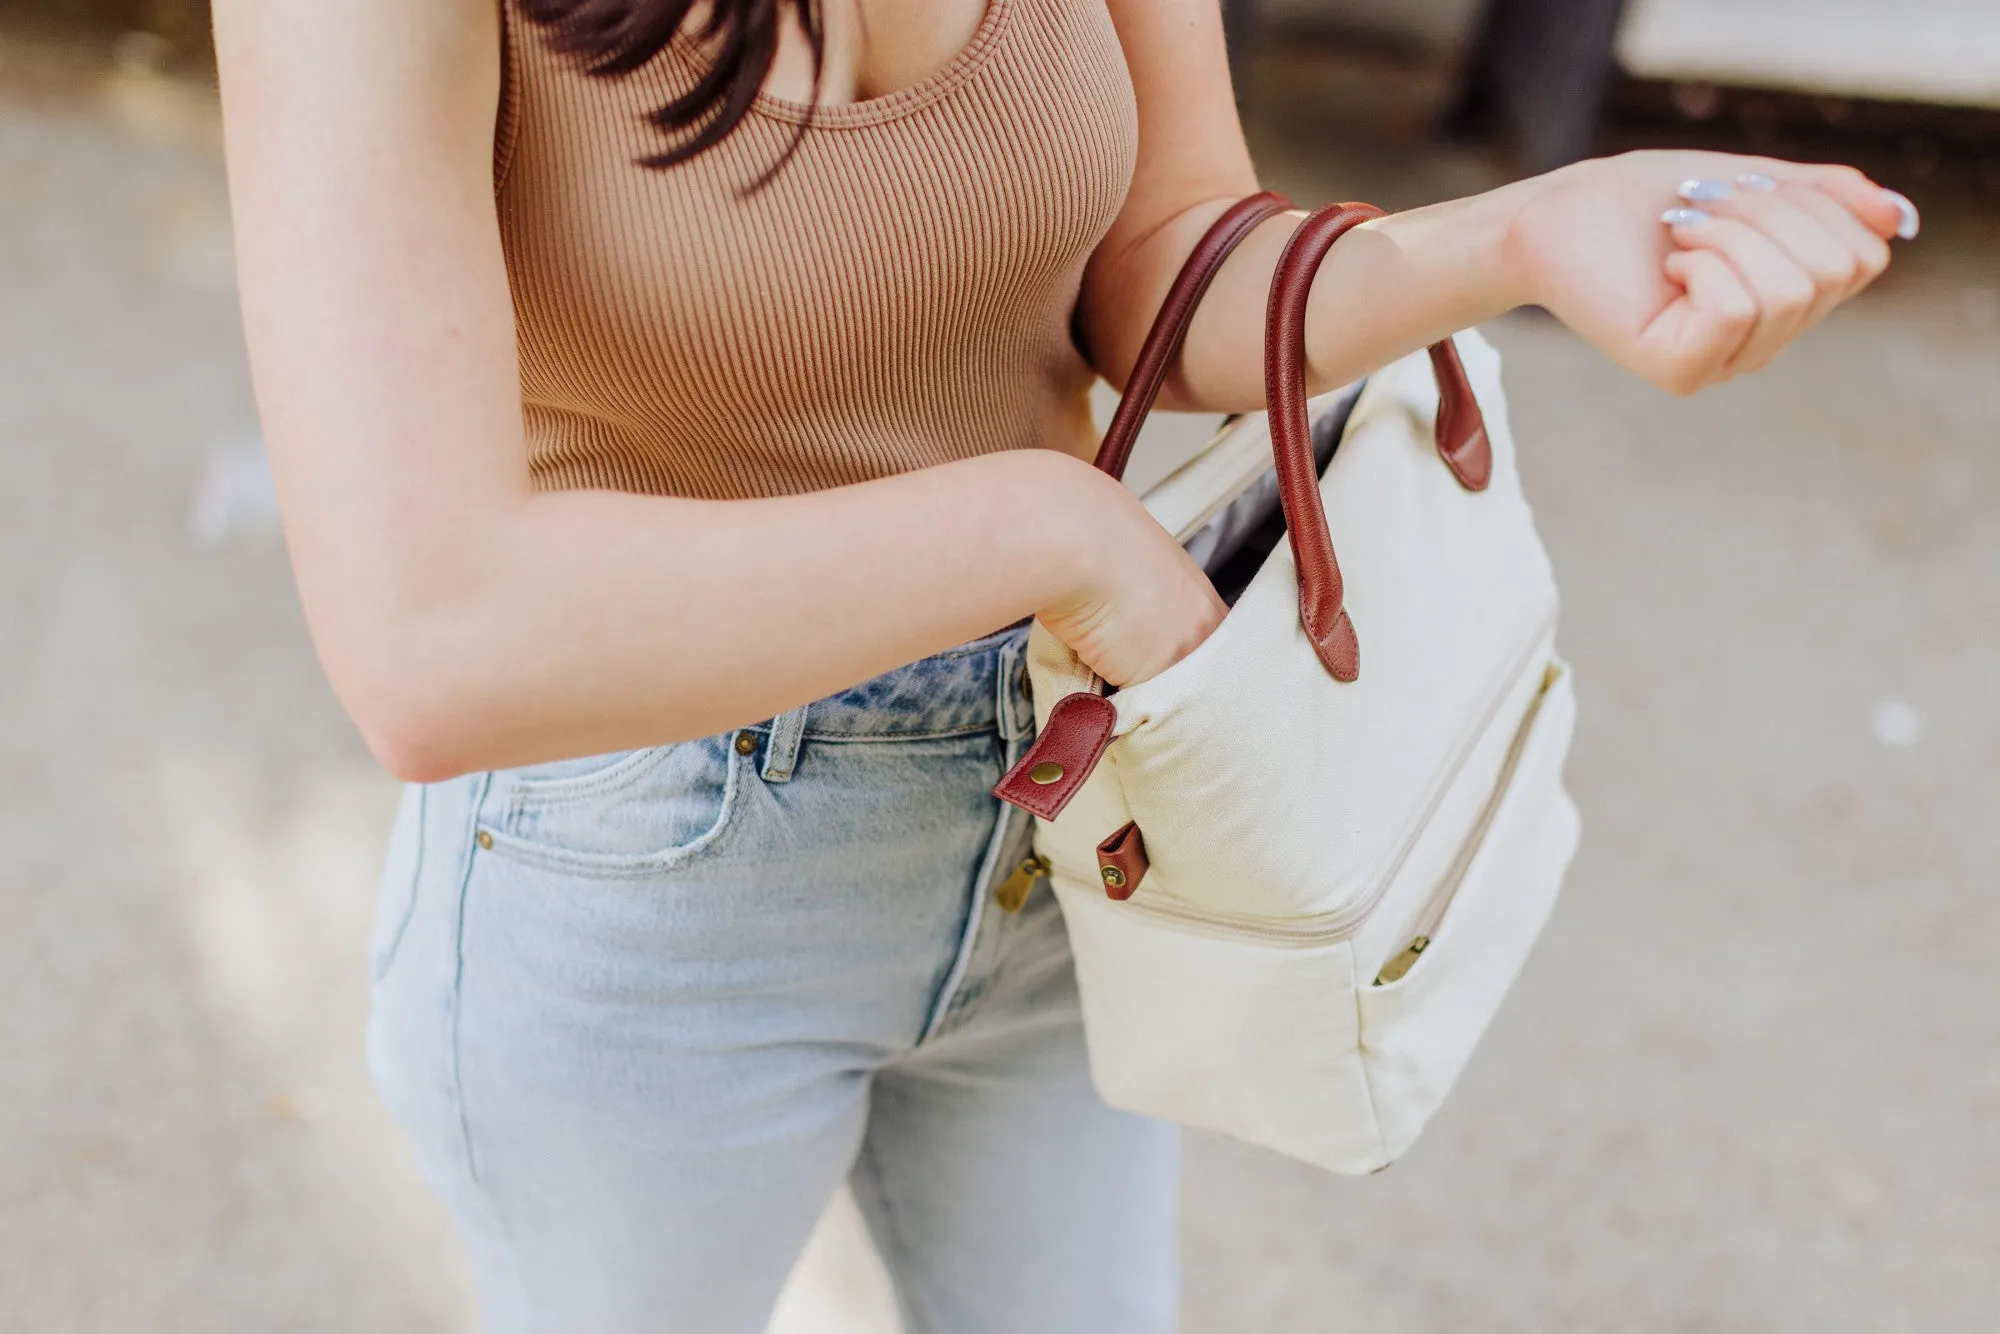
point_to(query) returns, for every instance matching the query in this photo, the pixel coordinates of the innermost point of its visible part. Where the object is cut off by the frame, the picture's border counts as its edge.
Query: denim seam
(941, 734)
(975, 918)
(896, 1252)
(471, 856)
(496, 1216)
(527, 793)
(387, 958)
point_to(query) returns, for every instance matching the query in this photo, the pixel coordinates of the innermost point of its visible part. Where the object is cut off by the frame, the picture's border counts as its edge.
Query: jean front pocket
(634, 814)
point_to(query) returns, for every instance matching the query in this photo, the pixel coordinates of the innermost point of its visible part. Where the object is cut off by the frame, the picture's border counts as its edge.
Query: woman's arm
(468, 622)
(1682, 307)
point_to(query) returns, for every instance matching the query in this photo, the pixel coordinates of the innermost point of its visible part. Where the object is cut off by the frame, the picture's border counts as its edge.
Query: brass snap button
(746, 742)
(1112, 876)
(1048, 771)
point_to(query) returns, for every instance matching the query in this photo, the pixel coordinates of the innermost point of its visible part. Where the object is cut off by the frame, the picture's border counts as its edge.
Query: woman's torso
(899, 295)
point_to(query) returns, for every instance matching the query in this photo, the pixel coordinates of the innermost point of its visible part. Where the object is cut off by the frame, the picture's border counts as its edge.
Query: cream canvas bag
(1301, 867)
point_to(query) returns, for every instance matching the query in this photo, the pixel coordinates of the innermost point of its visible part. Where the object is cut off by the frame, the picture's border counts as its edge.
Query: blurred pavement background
(1750, 1082)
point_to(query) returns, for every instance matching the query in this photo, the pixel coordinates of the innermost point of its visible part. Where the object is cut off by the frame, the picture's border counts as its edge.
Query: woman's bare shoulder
(362, 67)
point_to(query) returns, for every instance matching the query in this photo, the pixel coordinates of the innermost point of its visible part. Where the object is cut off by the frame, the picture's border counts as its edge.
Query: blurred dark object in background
(1529, 73)
(1903, 141)
(1907, 89)
(181, 24)
(1536, 74)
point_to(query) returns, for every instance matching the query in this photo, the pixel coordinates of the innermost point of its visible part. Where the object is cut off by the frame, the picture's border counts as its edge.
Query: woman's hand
(1689, 268)
(1139, 604)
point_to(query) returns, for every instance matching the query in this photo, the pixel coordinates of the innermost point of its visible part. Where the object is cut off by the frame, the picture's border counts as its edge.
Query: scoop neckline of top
(889, 106)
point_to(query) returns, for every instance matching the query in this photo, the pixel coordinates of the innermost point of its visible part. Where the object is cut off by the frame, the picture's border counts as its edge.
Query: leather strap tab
(1071, 743)
(1461, 426)
(1170, 326)
(1121, 861)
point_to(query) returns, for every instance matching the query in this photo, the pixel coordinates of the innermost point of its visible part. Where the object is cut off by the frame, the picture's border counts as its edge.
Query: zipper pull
(1393, 970)
(1014, 890)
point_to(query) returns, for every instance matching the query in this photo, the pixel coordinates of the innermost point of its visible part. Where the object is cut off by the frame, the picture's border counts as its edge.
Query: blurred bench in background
(1535, 73)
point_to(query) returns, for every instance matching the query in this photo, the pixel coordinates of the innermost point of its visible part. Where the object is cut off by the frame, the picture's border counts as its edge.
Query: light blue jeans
(642, 1014)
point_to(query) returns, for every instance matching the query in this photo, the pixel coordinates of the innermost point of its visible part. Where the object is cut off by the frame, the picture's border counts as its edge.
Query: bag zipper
(1014, 890)
(1325, 928)
(1447, 890)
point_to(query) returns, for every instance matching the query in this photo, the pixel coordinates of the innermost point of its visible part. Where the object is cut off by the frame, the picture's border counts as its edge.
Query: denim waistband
(975, 687)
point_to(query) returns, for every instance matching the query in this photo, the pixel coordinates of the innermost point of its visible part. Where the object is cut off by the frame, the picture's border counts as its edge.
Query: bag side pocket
(1223, 1033)
(1419, 1027)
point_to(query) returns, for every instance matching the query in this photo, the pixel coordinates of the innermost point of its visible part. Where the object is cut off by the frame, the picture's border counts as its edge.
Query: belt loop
(1015, 710)
(781, 752)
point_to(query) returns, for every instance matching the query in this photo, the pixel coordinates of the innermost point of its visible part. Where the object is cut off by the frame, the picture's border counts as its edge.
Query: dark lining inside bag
(1234, 544)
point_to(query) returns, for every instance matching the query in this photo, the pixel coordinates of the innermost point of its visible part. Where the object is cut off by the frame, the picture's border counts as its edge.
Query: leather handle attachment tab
(1461, 434)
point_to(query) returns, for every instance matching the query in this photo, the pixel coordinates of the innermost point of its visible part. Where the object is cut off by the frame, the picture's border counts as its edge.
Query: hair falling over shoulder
(612, 38)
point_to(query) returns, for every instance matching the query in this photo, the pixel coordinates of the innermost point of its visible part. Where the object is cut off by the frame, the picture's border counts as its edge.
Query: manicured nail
(1911, 224)
(1758, 181)
(1703, 192)
(1684, 217)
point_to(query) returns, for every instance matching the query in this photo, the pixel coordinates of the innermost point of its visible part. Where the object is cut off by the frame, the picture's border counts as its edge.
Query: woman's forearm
(1388, 288)
(1684, 297)
(587, 621)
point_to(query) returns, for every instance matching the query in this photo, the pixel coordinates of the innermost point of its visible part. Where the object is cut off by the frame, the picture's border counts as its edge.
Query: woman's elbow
(417, 754)
(415, 735)
(413, 718)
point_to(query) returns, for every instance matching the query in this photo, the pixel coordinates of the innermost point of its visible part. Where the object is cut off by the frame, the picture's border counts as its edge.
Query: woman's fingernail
(1684, 217)
(1758, 181)
(1699, 191)
(1911, 224)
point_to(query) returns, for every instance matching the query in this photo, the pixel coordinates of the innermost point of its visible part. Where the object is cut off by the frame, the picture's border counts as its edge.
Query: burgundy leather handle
(1170, 326)
(1079, 726)
(1461, 433)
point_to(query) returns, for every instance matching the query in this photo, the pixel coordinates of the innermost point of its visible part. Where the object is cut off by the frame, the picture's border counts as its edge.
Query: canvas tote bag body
(1301, 867)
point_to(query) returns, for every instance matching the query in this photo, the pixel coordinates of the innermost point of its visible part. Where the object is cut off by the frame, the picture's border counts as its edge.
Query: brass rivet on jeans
(1048, 771)
(485, 839)
(1112, 876)
(746, 742)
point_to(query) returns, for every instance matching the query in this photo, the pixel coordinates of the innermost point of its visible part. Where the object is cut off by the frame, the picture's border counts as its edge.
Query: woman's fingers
(1785, 295)
(1798, 251)
(1884, 212)
(1785, 216)
(1871, 252)
(1691, 343)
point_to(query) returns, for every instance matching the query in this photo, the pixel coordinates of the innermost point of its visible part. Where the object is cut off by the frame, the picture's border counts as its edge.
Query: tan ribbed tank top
(899, 296)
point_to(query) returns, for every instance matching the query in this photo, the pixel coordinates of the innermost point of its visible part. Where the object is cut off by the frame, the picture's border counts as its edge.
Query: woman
(638, 382)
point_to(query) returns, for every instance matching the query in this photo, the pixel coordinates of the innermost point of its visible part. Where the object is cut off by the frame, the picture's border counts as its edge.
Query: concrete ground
(1750, 1082)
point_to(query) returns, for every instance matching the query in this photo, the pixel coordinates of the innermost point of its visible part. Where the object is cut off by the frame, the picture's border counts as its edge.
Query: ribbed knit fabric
(899, 296)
